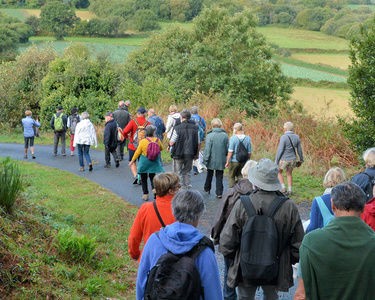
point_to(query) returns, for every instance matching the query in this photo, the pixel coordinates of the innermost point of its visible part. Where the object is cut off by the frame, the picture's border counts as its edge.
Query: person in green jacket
(214, 156)
(337, 261)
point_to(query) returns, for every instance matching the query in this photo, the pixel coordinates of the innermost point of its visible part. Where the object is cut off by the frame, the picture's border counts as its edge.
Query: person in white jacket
(174, 118)
(85, 136)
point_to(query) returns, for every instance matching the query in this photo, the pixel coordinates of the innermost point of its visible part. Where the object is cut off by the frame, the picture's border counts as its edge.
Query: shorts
(29, 140)
(131, 154)
(287, 164)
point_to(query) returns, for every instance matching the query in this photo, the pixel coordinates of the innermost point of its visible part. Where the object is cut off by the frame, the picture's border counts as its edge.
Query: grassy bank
(32, 265)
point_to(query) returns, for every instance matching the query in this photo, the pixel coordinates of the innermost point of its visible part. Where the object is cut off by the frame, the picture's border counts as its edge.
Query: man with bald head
(122, 117)
(157, 122)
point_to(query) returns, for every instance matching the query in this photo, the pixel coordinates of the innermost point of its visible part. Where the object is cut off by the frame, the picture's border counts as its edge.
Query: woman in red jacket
(154, 215)
(368, 214)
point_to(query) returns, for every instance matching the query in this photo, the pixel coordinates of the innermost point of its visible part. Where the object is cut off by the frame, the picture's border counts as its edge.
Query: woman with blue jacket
(28, 124)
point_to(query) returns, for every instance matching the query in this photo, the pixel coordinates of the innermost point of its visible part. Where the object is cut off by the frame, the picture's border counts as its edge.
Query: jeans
(144, 181)
(182, 167)
(107, 153)
(120, 149)
(219, 181)
(83, 150)
(247, 292)
(228, 292)
(58, 135)
(235, 169)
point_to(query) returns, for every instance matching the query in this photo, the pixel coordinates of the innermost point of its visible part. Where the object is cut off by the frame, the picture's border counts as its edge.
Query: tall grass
(10, 184)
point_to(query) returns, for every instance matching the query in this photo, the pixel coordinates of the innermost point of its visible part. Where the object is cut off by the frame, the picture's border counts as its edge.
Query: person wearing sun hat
(290, 231)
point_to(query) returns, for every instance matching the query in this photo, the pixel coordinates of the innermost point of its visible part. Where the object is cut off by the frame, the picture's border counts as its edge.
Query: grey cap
(264, 175)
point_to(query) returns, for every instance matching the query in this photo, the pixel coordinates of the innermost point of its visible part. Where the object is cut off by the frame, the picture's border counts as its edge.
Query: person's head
(28, 113)
(141, 112)
(74, 110)
(108, 116)
(127, 103)
(85, 115)
(369, 157)
(172, 108)
(246, 167)
(216, 123)
(237, 128)
(264, 175)
(151, 112)
(150, 131)
(348, 199)
(186, 114)
(334, 177)
(121, 104)
(187, 207)
(288, 126)
(60, 108)
(194, 110)
(166, 184)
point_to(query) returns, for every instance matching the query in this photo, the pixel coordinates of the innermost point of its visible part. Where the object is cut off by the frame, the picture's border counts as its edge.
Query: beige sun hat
(264, 175)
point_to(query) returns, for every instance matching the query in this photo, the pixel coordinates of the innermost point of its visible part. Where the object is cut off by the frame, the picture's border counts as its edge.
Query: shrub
(314, 18)
(77, 247)
(10, 184)
(34, 23)
(144, 20)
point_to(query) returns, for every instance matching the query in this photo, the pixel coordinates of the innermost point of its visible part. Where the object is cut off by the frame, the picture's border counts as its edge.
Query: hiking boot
(25, 156)
(63, 154)
(206, 192)
(117, 163)
(33, 156)
(90, 167)
(71, 153)
(145, 197)
(219, 196)
(81, 169)
(107, 166)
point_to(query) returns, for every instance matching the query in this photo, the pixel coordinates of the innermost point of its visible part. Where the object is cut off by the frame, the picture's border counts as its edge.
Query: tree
(145, 20)
(58, 18)
(360, 130)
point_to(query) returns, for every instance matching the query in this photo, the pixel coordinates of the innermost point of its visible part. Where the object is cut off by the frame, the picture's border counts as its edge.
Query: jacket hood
(370, 207)
(113, 120)
(243, 186)
(216, 130)
(179, 237)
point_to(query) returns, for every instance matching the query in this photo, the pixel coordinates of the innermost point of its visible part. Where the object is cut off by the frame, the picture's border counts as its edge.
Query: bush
(10, 184)
(314, 18)
(78, 248)
(34, 23)
(144, 20)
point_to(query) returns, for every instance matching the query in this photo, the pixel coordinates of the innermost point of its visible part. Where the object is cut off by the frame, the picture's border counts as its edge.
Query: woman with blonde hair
(174, 118)
(28, 124)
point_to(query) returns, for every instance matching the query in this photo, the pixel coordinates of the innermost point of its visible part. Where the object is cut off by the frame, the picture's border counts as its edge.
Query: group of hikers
(257, 228)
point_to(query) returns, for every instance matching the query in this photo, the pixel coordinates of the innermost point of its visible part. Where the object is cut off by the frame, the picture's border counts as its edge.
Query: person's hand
(226, 165)
(131, 163)
(196, 157)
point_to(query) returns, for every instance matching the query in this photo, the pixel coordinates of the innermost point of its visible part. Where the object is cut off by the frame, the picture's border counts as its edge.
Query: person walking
(122, 117)
(135, 131)
(85, 136)
(29, 124)
(157, 122)
(174, 118)
(337, 261)
(201, 131)
(154, 215)
(239, 153)
(286, 156)
(185, 145)
(149, 154)
(255, 250)
(110, 140)
(73, 120)
(59, 124)
(181, 239)
(214, 156)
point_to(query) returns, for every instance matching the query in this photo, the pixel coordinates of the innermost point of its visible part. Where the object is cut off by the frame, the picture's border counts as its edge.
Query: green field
(301, 72)
(335, 60)
(356, 6)
(22, 14)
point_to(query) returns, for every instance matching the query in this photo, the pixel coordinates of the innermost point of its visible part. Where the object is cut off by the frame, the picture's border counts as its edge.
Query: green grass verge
(33, 268)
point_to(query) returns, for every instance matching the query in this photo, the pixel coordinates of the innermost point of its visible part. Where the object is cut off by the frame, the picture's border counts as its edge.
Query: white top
(171, 123)
(85, 134)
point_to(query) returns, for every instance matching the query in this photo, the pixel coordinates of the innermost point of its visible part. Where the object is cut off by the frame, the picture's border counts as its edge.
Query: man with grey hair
(337, 261)
(182, 238)
(268, 201)
(286, 156)
(122, 117)
(185, 145)
(158, 122)
(127, 104)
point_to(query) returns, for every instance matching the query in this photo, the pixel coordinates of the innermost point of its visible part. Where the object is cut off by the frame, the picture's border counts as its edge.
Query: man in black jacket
(110, 140)
(59, 123)
(122, 117)
(185, 145)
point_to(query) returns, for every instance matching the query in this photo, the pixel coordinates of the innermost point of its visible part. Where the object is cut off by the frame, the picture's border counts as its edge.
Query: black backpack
(175, 277)
(242, 155)
(366, 185)
(259, 259)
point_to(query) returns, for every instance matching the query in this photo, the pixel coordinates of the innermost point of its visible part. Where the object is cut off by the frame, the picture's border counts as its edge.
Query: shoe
(195, 173)
(33, 156)
(90, 167)
(219, 196)
(72, 153)
(117, 163)
(135, 180)
(145, 197)
(63, 154)
(207, 192)
(283, 190)
(107, 166)
(25, 156)
(81, 169)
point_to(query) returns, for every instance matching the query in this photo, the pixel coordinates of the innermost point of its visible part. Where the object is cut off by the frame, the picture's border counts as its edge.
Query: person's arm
(174, 138)
(136, 234)
(76, 135)
(68, 123)
(280, 150)
(107, 135)
(315, 221)
(36, 123)
(162, 125)
(128, 128)
(299, 149)
(249, 148)
(230, 152)
(138, 152)
(296, 234)
(93, 132)
(300, 292)
(207, 150)
(306, 267)
(160, 145)
(52, 122)
(169, 124)
(65, 121)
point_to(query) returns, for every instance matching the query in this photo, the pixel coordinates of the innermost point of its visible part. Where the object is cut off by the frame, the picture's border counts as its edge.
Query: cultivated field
(335, 60)
(22, 14)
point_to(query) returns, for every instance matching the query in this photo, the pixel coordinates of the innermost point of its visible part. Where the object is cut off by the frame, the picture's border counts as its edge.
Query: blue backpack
(200, 127)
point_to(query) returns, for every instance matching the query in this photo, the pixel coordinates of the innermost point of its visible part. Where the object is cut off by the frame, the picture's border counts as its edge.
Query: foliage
(362, 83)
(34, 23)
(11, 184)
(222, 54)
(314, 18)
(20, 84)
(79, 248)
(144, 20)
(111, 27)
(57, 17)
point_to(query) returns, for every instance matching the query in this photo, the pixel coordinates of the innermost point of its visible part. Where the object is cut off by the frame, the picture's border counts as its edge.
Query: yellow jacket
(142, 147)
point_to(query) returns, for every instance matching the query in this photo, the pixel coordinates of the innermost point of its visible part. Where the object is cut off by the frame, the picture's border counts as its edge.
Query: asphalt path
(120, 181)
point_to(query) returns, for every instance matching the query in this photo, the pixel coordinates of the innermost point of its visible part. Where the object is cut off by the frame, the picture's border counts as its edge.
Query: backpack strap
(203, 243)
(158, 214)
(326, 214)
(249, 207)
(275, 205)
(294, 150)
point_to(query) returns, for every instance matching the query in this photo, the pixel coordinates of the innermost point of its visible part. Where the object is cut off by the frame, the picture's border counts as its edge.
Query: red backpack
(153, 149)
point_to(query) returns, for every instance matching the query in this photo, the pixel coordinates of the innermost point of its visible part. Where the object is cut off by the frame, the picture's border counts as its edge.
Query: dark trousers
(120, 149)
(59, 135)
(107, 153)
(219, 181)
(144, 181)
(84, 150)
(228, 292)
